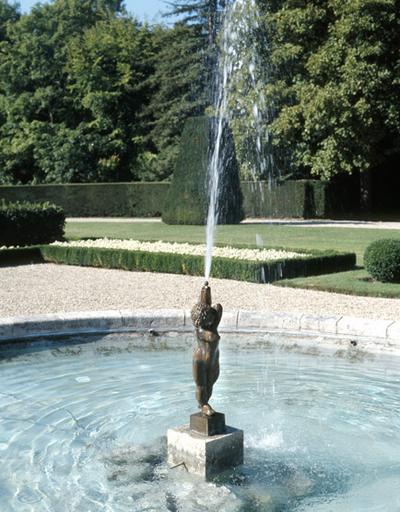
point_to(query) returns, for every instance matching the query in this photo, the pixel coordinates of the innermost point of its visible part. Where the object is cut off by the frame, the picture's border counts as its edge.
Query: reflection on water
(83, 424)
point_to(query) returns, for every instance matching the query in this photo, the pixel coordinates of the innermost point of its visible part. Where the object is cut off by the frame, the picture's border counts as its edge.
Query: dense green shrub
(20, 256)
(226, 268)
(382, 260)
(291, 198)
(187, 200)
(30, 223)
(134, 199)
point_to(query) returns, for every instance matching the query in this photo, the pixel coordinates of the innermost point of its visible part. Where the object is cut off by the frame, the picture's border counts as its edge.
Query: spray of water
(238, 64)
(215, 166)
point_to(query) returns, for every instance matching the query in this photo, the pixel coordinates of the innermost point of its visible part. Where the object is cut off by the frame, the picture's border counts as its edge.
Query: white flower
(184, 248)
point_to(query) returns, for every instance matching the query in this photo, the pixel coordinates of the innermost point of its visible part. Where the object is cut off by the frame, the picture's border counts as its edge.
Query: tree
(108, 69)
(183, 76)
(336, 79)
(65, 114)
(178, 93)
(204, 14)
(9, 13)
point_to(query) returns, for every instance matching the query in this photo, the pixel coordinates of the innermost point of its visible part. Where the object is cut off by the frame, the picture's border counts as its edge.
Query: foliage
(187, 201)
(89, 94)
(108, 68)
(187, 195)
(30, 223)
(8, 14)
(290, 198)
(382, 260)
(300, 198)
(336, 82)
(203, 14)
(95, 199)
(20, 256)
(224, 268)
(72, 91)
(184, 67)
(179, 93)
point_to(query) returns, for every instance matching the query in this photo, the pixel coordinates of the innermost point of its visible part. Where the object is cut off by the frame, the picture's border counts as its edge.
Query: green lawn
(355, 282)
(288, 236)
(321, 238)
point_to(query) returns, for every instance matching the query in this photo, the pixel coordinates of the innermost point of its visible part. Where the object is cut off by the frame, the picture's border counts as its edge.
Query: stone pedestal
(204, 455)
(208, 425)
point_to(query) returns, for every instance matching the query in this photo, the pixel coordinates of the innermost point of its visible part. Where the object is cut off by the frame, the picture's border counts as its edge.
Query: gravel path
(313, 223)
(48, 288)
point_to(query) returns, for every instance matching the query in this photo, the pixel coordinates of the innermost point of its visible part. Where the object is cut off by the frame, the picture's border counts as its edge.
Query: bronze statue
(206, 319)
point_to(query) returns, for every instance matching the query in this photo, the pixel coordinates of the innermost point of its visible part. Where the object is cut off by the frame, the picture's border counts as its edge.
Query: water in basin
(83, 424)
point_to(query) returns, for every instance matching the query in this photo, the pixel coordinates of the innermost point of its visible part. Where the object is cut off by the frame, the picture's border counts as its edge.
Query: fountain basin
(368, 334)
(83, 420)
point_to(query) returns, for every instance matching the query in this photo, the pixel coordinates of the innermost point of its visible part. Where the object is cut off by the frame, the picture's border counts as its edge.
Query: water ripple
(85, 428)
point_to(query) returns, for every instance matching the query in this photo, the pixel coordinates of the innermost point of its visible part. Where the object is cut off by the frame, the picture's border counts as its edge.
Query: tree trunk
(366, 191)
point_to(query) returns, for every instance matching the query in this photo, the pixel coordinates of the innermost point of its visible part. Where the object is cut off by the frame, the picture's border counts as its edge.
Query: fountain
(83, 422)
(238, 95)
(206, 446)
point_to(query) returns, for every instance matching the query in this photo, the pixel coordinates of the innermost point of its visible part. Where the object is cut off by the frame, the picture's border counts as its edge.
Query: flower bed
(241, 264)
(188, 249)
(168, 258)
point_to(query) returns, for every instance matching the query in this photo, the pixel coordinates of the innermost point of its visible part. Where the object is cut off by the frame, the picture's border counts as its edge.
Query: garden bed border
(312, 263)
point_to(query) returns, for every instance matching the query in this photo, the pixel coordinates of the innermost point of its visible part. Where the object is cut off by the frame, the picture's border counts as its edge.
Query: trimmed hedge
(188, 196)
(242, 270)
(382, 260)
(95, 199)
(20, 256)
(186, 201)
(30, 223)
(301, 198)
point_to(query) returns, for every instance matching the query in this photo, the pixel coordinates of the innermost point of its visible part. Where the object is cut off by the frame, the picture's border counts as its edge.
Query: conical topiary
(187, 201)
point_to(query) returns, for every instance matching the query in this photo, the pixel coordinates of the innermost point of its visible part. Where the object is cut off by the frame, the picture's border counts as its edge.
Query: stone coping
(383, 333)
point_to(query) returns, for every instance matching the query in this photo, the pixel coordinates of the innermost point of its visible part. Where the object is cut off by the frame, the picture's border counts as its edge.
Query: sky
(148, 10)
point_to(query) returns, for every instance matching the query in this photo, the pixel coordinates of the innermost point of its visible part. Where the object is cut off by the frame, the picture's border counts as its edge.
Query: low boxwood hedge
(20, 256)
(382, 260)
(30, 223)
(241, 270)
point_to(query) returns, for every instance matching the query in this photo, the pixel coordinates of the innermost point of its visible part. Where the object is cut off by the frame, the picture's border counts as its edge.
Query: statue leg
(212, 373)
(199, 376)
(212, 377)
